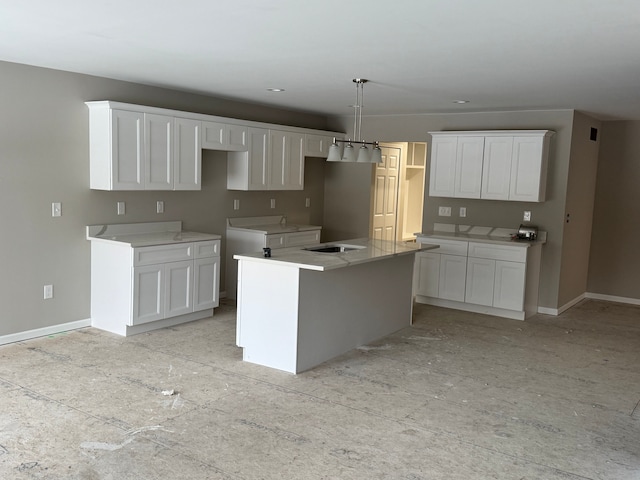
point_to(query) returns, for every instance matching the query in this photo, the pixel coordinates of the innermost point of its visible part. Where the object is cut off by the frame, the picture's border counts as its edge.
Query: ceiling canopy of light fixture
(365, 154)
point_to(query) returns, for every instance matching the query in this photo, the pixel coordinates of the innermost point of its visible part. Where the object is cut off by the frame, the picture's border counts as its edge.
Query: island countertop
(367, 250)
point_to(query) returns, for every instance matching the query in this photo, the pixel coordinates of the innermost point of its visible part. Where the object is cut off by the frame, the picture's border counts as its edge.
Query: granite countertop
(269, 225)
(275, 228)
(371, 250)
(501, 236)
(146, 234)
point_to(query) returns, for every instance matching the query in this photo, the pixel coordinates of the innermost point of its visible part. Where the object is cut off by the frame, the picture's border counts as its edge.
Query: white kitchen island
(299, 308)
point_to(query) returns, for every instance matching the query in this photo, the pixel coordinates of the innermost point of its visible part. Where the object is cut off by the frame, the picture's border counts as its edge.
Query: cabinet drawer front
(162, 254)
(450, 247)
(275, 241)
(302, 238)
(207, 249)
(497, 252)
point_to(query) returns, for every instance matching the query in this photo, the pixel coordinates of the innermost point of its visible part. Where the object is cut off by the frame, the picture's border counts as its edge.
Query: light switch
(307, 202)
(120, 208)
(273, 203)
(48, 292)
(159, 206)
(236, 204)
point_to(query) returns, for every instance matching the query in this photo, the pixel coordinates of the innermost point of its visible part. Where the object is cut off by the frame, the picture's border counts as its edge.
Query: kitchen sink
(334, 248)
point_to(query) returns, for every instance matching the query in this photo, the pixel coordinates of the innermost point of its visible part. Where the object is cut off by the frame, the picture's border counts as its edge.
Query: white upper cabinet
(443, 166)
(133, 147)
(117, 150)
(468, 174)
(496, 168)
(274, 161)
(158, 152)
(317, 145)
(492, 165)
(188, 155)
(142, 151)
(287, 160)
(530, 160)
(224, 136)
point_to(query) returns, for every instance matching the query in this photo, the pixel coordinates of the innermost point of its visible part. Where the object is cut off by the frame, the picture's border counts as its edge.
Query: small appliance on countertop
(527, 232)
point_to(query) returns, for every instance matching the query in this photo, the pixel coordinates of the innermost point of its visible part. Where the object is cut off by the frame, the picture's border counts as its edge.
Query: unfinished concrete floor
(456, 396)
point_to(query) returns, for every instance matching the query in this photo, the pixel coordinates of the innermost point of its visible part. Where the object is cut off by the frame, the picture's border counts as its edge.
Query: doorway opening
(397, 191)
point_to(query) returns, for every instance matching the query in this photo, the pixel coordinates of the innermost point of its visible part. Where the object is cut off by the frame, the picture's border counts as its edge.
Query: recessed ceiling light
(461, 101)
(275, 89)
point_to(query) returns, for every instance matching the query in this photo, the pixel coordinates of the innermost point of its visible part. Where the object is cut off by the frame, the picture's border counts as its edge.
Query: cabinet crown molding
(496, 133)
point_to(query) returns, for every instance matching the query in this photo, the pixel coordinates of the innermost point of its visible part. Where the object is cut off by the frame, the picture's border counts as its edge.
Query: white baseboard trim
(613, 298)
(563, 308)
(43, 332)
(548, 311)
(588, 295)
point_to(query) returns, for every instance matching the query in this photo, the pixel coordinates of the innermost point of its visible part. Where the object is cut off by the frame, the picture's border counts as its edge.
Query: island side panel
(267, 314)
(348, 307)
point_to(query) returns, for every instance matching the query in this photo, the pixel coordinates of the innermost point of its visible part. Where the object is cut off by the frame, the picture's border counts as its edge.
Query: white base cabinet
(497, 279)
(138, 289)
(246, 241)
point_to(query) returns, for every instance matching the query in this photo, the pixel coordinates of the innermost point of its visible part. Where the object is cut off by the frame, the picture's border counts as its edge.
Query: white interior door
(385, 195)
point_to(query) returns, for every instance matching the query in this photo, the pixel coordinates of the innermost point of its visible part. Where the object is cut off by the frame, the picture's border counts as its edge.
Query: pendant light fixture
(364, 154)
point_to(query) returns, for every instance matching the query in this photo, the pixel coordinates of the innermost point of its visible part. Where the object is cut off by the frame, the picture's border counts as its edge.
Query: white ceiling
(419, 55)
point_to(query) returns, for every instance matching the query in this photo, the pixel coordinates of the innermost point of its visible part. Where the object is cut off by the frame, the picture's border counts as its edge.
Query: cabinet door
(127, 150)
(275, 240)
(223, 136)
(453, 272)
(148, 294)
(158, 142)
(509, 285)
(496, 168)
(427, 273)
(297, 239)
(443, 166)
(317, 145)
(206, 274)
(258, 157)
(295, 159)
(468, 176)
(286, 160)
(527, 167)
(237, 138)
(480, 279)
(188, 154)
(178, 292)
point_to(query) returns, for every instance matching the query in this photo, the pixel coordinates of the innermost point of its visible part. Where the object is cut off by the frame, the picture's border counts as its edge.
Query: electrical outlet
(48, 292)
(527, 216)
(56, 209)
(463, 211)
(236, 204)
(273, 203)
(159, 206)
(120, 206)
(444, 211)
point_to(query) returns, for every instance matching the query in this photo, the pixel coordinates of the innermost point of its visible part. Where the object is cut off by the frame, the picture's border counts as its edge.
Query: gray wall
(44, 158)
(614, 264)
(581, 187)
(354, 182)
